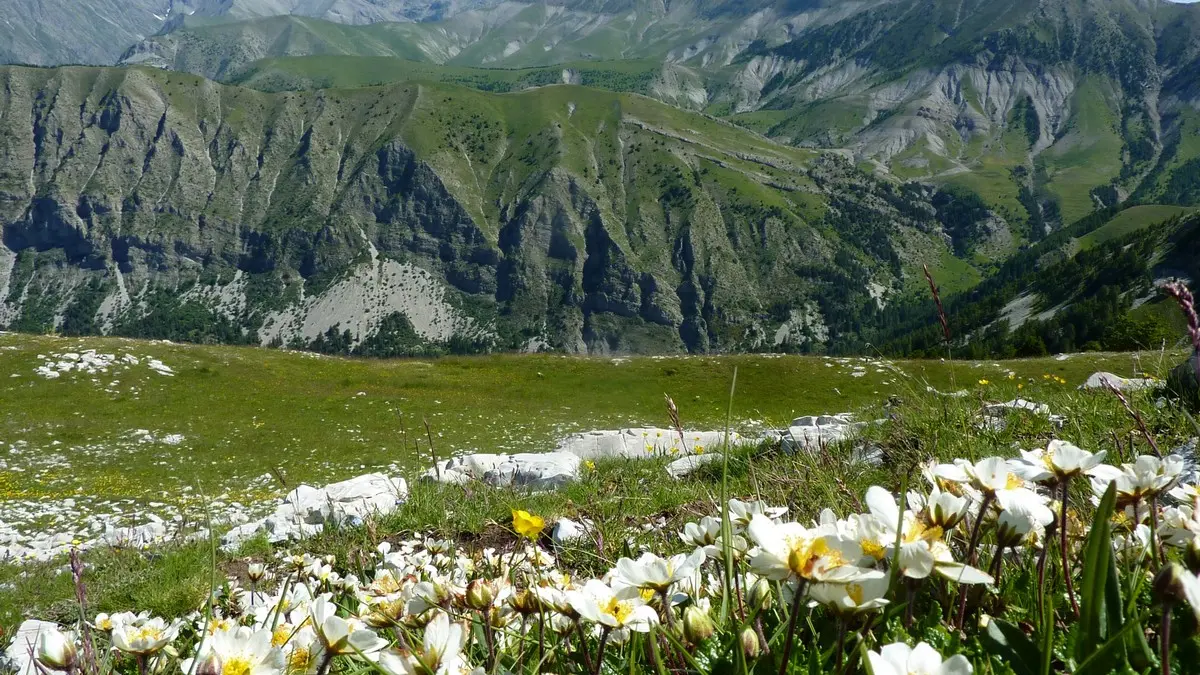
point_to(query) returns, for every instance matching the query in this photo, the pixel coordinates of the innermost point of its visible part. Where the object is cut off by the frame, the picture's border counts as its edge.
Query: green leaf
(1048, 634)
(1113, 605)
(1093, 625)
(1011, 644)
(1101, 660)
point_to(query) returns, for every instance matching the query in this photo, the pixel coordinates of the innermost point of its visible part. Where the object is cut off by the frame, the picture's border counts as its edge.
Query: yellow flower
(589, 465)
(527, 525)
(1020, 386)
(698, 449)
(984, 383)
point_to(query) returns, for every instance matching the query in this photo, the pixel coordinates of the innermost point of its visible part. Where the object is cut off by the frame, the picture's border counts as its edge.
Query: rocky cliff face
(1047, 109)
(408, 217)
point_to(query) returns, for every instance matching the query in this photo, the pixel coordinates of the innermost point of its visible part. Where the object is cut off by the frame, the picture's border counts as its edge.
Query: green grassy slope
(1129, 221)
(244, 412)
(340, 72)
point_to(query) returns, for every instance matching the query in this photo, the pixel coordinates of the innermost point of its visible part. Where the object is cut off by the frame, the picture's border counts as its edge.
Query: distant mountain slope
(50, 32)
(153, 203)
(54, 32)
(1046, 110)
(509, 35)
(1094, 285)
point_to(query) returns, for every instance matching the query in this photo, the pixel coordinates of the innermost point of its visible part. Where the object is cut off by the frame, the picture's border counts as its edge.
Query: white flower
(1132, 547)
(143, 635)
(944, 509)
(994, 477)
(106, 622)
(239, 651)
(987, 475)
(341, 636)
(55, 649)
(707, 535)
(792, 551)
(1058, 460)
(440, 653)
(922, 549)
(1179, 525)
(900, 659)
(1014, 527)
(597, 603)
(256, 572)
(851, 598)
(1191, 590)
(302, 650)
(741, 513)
(654, 573)
(1146, 477)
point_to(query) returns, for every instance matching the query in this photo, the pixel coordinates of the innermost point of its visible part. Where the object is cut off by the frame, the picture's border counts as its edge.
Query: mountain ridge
(136, 200)
(449, 185)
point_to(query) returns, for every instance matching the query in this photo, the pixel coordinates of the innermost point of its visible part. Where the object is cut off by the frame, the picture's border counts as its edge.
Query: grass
(1088, 154)
(245, 411)
(340, 72)
(1129, 221)
(952, 274)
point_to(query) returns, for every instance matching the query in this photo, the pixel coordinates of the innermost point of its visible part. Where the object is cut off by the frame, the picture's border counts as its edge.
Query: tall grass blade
(1094, 623)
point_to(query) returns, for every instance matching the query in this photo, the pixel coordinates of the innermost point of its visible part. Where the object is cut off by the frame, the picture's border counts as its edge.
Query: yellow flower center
(617, 609)
(236, 665)
(298, 661)
(146, 634)
(281, 635)
(803, 554)
(872, 548)
(919, 531)
(1013, 482)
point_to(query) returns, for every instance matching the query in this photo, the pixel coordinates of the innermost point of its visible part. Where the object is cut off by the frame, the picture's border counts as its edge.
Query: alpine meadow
(508, 337)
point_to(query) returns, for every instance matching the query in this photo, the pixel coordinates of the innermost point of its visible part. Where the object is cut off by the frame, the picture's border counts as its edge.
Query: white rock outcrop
(643, 442)
(567, 531)
(685, 466)
(306, 510)
(812, 433)
(1097, 380)
(1002, 409)
(995, 415)
(534, 471)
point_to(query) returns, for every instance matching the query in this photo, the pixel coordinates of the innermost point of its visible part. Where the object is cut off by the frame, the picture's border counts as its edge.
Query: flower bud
(499, 618)
(1168, 584)
(56, 649)
(760, 594)
(697, 625)
(208, 662)
(750, 645)
(480, 594)
(1191, 555)
(527, 603)
(256, 572)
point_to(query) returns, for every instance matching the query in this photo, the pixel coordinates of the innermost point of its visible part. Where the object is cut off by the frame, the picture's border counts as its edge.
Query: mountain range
(633, 175)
